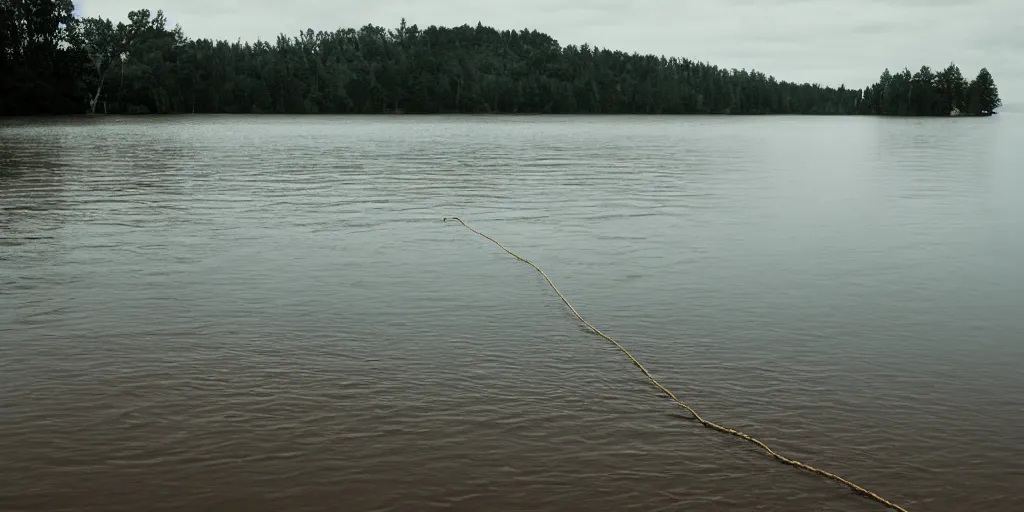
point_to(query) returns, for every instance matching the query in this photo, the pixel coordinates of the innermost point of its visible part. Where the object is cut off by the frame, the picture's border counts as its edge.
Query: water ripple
(266, 313)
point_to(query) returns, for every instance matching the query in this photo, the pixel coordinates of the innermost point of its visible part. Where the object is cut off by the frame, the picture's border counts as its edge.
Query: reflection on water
(265, 313)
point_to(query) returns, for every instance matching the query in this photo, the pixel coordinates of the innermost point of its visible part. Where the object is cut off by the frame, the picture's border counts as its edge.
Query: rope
(700, 419)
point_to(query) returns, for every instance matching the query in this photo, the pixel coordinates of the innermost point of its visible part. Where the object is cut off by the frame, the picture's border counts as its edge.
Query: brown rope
(707, 423)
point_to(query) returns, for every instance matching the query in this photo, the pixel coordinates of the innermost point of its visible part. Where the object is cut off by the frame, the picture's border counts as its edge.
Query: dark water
(267, 313)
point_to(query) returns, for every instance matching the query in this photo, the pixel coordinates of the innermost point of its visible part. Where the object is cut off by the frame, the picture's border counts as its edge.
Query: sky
(832, 42)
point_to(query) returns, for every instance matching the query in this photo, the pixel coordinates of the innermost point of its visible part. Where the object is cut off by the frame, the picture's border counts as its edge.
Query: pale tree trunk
(99, 88)
(97, 61)
(120, 87)
(96, 98)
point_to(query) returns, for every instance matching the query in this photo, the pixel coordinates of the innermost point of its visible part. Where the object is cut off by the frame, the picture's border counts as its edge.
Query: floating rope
(700, 419)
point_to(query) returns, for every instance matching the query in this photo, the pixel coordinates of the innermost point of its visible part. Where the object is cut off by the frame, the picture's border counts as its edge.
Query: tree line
(927, 93)
(52, 62)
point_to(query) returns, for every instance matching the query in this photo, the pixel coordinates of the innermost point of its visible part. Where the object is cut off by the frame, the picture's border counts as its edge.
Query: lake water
(267, 313)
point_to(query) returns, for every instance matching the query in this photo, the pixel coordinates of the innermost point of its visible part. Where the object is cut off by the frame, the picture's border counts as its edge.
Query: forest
(52, 62)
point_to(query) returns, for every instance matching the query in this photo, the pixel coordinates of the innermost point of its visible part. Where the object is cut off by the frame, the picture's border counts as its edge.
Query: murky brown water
(266, 313)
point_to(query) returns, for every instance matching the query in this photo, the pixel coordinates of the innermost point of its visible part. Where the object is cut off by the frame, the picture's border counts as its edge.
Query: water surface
(267, 313)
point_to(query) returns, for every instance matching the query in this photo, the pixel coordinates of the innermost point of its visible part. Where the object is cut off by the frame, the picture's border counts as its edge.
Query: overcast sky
(832, 42)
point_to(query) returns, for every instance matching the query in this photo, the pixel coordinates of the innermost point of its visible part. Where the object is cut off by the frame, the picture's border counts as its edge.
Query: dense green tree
(951, 89)
(926, 93)
(40, 67)
(983, 95)
(53, 63)
(923, 100)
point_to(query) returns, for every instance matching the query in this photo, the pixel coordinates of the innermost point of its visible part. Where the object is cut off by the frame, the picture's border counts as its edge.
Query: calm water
(267, 313)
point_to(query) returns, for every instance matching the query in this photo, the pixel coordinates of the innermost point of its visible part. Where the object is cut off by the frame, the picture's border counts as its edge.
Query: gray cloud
(827, 41)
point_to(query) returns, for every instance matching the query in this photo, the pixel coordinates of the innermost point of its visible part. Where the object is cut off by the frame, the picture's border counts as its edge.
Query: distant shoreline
(99, 115)
(148, 67)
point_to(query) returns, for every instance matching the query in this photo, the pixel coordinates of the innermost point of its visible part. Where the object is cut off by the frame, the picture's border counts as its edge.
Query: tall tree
(951, 88)
(923, 101)
(984, 93)
(99, 40)
(40, 68)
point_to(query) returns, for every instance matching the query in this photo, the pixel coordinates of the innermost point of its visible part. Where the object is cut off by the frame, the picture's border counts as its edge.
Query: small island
(52, 62)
